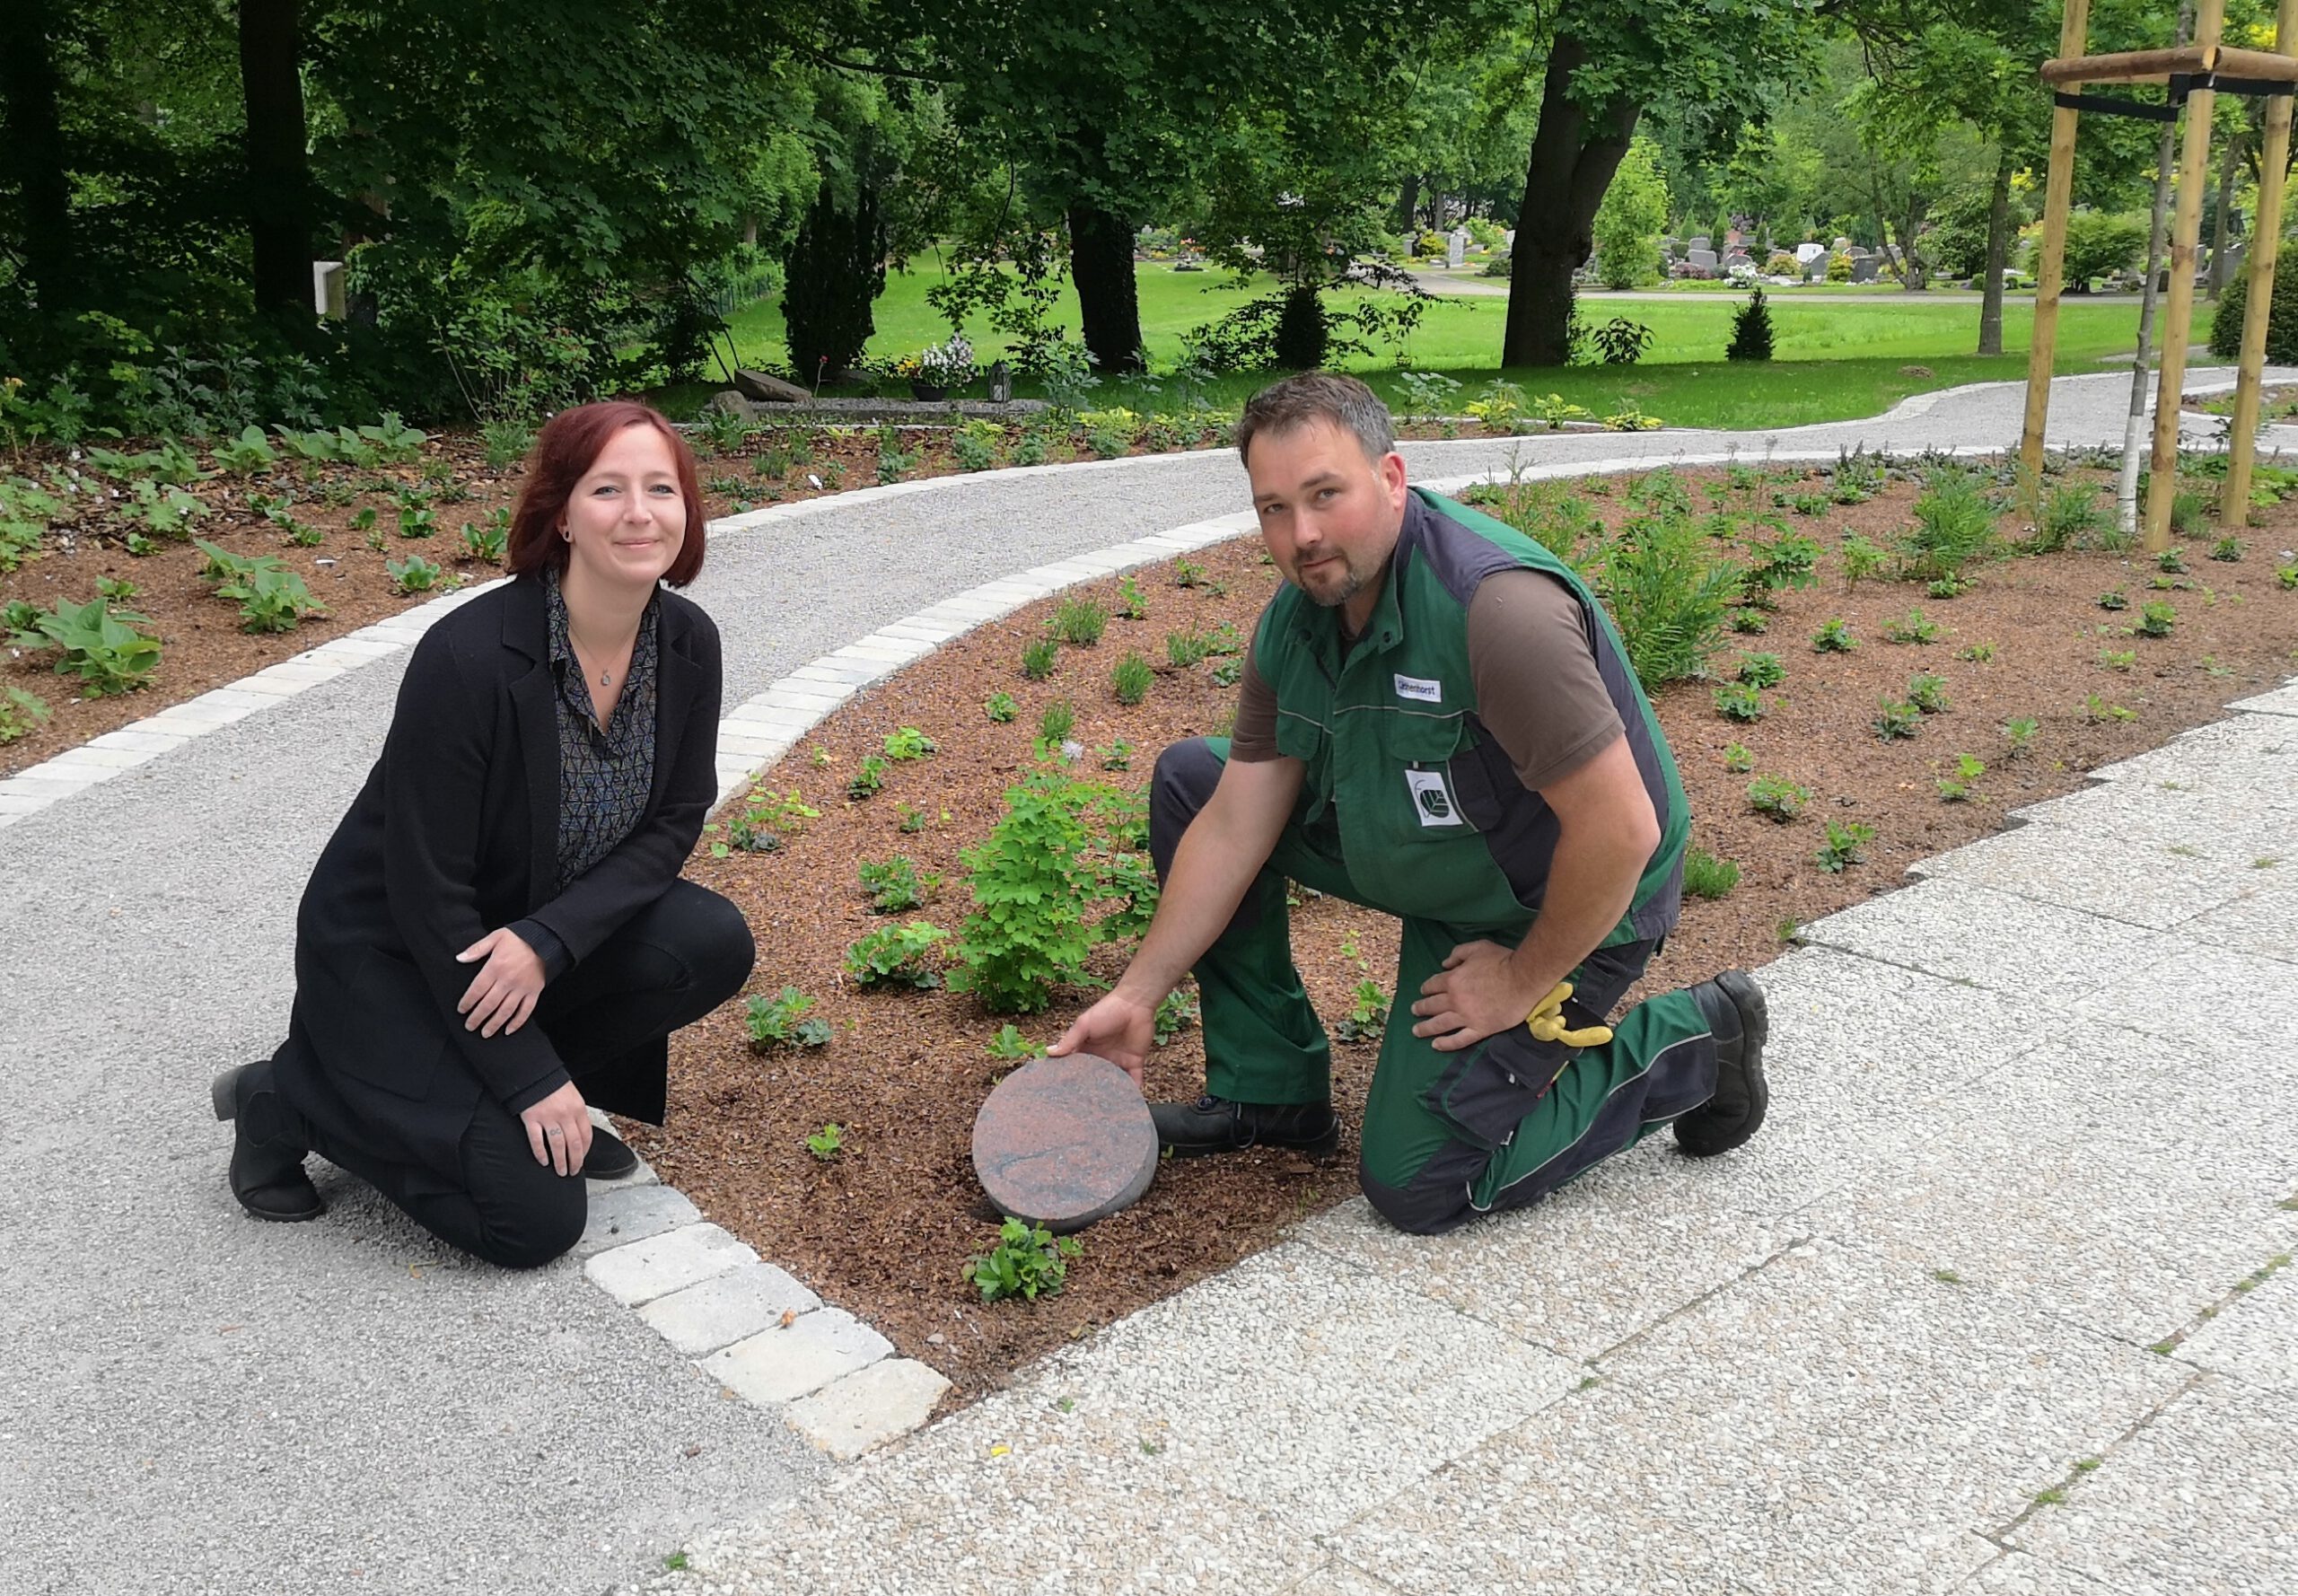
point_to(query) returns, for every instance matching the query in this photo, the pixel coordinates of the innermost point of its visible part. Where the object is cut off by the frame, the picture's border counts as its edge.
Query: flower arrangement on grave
(939, 366)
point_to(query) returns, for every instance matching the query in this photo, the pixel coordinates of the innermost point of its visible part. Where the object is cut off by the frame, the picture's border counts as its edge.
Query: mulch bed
(887, 1226)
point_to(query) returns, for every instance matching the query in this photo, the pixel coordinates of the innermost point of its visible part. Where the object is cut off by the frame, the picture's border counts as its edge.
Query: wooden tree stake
(2050, 265)
(2178, 310)
(2265, 238)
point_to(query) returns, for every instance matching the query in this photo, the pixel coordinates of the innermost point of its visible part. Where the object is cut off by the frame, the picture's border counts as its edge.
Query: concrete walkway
(2058, 1073)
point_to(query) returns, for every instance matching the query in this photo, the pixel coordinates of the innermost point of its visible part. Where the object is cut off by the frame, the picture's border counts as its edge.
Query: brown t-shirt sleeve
(1536, 687)
(1253, 739)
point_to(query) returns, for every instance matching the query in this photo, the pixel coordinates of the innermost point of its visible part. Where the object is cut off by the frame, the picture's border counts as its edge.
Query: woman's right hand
(558, 1129)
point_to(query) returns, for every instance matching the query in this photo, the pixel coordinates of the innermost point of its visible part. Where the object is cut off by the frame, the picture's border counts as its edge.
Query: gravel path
(193, 1402)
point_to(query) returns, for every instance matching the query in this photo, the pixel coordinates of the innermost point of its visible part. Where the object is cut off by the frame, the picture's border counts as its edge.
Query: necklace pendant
(605, 680)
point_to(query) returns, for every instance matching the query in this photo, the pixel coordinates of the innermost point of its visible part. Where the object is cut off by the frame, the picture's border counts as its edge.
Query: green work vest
(1405, 785)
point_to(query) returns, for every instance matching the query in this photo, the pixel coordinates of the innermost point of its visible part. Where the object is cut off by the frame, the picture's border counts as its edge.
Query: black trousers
(675, 961)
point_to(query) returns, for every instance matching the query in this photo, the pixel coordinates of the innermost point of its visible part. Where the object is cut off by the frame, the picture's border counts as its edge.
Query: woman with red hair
(496, 938)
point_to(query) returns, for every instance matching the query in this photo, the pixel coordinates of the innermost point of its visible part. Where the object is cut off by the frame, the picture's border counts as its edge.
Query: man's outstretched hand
(1118, 1029)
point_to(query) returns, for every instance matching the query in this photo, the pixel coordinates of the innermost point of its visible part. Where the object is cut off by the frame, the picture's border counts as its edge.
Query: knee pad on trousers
(1433, 1201)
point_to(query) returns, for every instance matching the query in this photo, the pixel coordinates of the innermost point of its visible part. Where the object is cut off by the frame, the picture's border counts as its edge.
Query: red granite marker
(1063, 1142)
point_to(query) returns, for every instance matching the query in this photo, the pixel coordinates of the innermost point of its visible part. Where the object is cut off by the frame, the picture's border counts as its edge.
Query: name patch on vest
(1430, 799)
(1414, 687)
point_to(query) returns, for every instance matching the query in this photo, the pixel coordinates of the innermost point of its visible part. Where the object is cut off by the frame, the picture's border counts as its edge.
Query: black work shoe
(610, 1157)
(266, 1174)
(1216, 1125)
(1733, 1007)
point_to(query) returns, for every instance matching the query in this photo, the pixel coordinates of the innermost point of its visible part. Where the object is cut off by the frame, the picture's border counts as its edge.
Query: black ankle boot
(1734, 1008)
(610, 1157)
(1216, 1125)
(267, 1162)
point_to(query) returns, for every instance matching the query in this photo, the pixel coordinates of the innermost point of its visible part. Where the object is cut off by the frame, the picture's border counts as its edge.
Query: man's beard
(1350, 582)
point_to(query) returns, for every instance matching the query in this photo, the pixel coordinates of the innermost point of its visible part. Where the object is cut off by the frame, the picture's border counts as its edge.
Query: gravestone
(1738, 258)
(1863, 267)
(1841, 246)
(1702, 258)
(1456, 247)
(1063, 1142)
(326, 289)
(767, 390)
(1508, 238)
(1000, 383)
(1697, 241)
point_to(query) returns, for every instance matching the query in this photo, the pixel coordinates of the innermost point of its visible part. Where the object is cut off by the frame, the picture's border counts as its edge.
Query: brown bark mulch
(887, 1226)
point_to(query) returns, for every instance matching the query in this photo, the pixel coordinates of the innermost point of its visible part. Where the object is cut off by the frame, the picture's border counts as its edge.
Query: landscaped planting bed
(2034, 682)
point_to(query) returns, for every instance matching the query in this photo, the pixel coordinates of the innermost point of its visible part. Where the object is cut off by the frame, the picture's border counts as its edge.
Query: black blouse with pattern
(605, 774)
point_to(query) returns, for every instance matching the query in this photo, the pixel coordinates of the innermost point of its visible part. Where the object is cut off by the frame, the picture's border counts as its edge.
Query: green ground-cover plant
(246, 454)
(2228, 549)
(1790, 560)
(825, 1143)
(1038, 658)
(1846, 844)
(1185, 649)
(1895, 718)
(1775, 796)
(2155, 618)
(2113, 599)
(2285, 577)
(1130, 679)
(1061, 847)
(100, 646)
(895, 885)
(21, 714)
(1834, 636)
(1709, 876)
(765, 817)
(1761, 669)
(1977, 654)
(271, 598)
(2071, 518)
(1737, 759)
(783, 1020)
(1079, 622)
(2097, 708)
(1753, 622)
(908, 743)
(1009, 1045)
(1131, 603)
(1028, 1262)
(1188, 573)
(1174, 1015)
(1916, 628)
(870, 780)
(2019, 732)
(1060, 719)
(1737, 701)
(487, 540)
(2112, 659)
(1367, 1016)
(1117, 756)
(1928, 694)
(2171, 562)
(1668, 594)
(1957, 788)
(896, 956)
(1954, 529)
(1000, 707)
(413, 574)
(1864, 560)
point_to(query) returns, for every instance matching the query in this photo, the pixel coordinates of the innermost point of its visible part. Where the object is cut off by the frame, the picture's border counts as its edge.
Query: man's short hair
(1318, 396)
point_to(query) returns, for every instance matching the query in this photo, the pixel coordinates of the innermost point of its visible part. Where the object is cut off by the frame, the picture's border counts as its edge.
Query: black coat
(454, 836)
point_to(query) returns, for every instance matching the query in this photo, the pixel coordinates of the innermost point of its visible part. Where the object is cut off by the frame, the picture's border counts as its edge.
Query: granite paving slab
(2253, 1337)
(2262, 921)
(2195, 988)
(1832, 1422)
(2153, 880)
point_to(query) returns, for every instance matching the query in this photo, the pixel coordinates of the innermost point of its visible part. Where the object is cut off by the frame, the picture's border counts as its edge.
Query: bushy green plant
(2020, 730)
(2227, 549)
(21, 714)
(825, 1143)
(1117, 756)
(271, 598)
(1367, 1016)
(908, 743)
(1079, 622)
(1761, 669)
(2071, 517)
(1061, 848)
(1009, 1045)
(1000, 707)
(1028, 1262)
(1174, 1015)
(102, 646)
(1916, 628)
(1958, 788)
(1038, 659)
(1846, 846)
(781, 1022)
(1751, 336)
(2281, 312)
(2100, 244)
(1928, 694)
(1184, 649)
(1777, 797)
(895, 885)
(487, 540)
(2171, 562)
(1863, 559)
(1896, 718)
(2155, 618)
(2112, 659)
(1834, 636)
(1668, 595)
(1060, 719)
(1188, 573)
(870, 780)
(1130, 679)
(1707, 876)
(1738, 759)
(1979, 653)
(1955, 527)
(896, 956)
(1738, 701)
(413, 574)
(247, 454)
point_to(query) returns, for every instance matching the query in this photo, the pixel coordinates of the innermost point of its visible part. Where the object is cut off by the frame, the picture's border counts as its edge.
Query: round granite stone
(1063, 1142)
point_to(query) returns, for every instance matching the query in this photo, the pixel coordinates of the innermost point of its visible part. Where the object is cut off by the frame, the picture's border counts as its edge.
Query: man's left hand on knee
(1481, 991)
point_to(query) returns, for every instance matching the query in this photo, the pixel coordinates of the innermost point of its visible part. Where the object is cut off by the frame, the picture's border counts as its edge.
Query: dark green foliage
(835, 270)
(1303, 333)
(1750, 330)
(2282, 315)
(1620, 341)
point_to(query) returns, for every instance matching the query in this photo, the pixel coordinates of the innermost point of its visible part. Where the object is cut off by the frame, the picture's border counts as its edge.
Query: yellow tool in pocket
(1547, 1021)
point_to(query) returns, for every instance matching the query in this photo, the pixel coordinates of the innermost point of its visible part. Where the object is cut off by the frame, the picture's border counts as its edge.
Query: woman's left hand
(507, 986)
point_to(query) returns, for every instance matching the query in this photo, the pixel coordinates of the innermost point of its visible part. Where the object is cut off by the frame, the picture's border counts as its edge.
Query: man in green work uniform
(1437, 720)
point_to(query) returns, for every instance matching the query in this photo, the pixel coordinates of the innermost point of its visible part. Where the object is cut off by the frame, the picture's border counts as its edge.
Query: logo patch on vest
(1414, 687)
(1430, 800)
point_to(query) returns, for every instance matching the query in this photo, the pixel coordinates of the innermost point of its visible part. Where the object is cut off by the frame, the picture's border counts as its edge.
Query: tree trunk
(1573, 157)
(1407, 202)
(1101, 263)
(34, 153)
(1998, 252)
(2222, 228)
(278, 173)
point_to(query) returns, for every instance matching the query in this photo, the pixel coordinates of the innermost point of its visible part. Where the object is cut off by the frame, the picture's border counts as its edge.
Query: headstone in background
(1000, 383)
(1702, 258)
(1672, 248)
(1738, 257)
(1456, 247)
(1863, 267)
(1841, 246)
(1697, 241)
(326, 289)
(1508, 238)
(1806, 253)
(767, 389)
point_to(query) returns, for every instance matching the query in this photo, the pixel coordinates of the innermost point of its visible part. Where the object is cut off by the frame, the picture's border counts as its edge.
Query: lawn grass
(1835, 360)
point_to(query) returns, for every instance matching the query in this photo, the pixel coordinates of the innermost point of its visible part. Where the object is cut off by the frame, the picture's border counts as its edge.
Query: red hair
(570, 443)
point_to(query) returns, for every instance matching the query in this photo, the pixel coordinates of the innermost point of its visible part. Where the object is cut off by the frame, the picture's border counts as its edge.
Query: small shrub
(1777, 797)
(2189, 512)
(2171, 562)
(1751, 338)
(895, 887)
(1738, 759)
(2020, 732)
(1367, 1016)
(1707, 876)
(1928, 694)
(1130, 679)
(413, 574)
(1079, 622)
(1026, 1263)
(99, 645)
(1955, 527)
(20, 713)
(1668, 595)
(1187, 574)
(870, 780)
(1185, 649)
(1914, 628)
(1739, 702)
(1834, 636)
(1174, 1015)
(2071, 517)
(1620, 341)
(896, 956)
(1845, 845)
(1894, 719)
(1957, 788)
(2285, 577)
(2155, 618)
(1762, 670)
(2228, 548)
(1753, 622)
(1060, 719)
(1000, 707)
(781, 1022)
(2111, 659)
(1863, 560)
(506, 442)
(908, 743)
(825, 1142)
(2113, 599)
(1038, 658)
